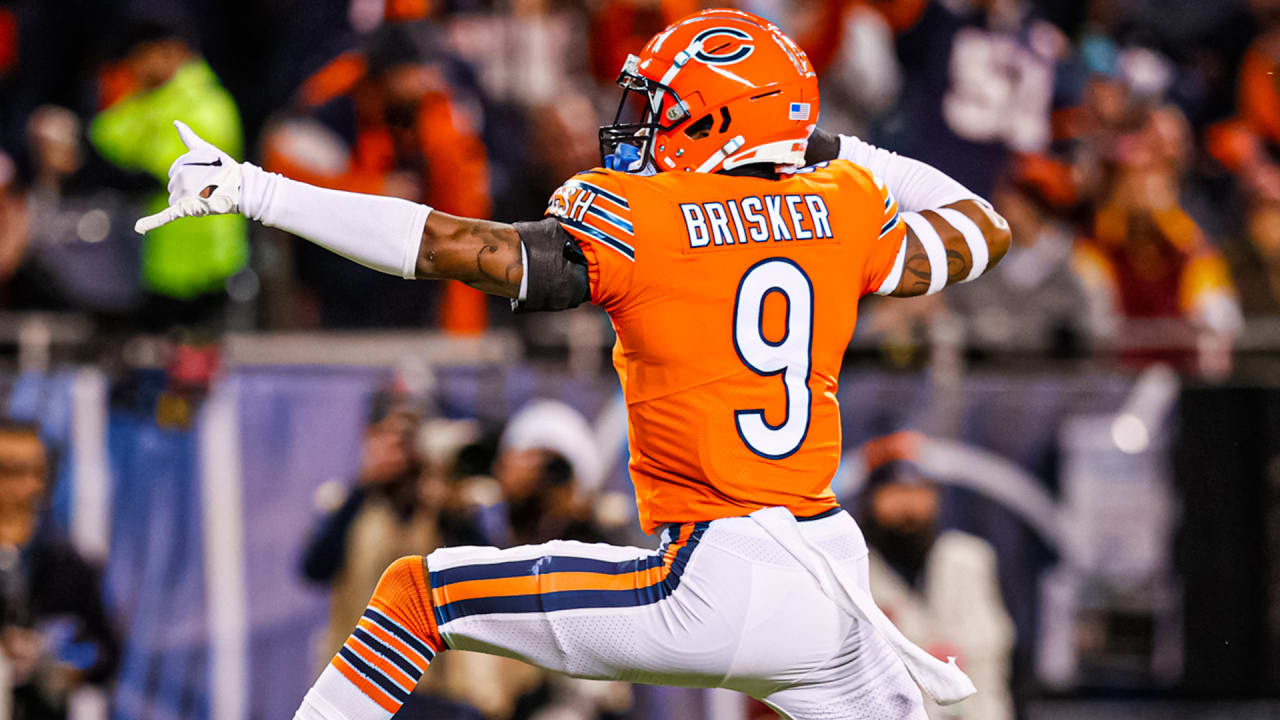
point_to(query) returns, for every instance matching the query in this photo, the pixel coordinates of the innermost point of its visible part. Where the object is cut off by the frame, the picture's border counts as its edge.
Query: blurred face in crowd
(55, 140)
(538, 488)
(905, 508)
(23, 480)
(903, 524)
(1160, 143)
(389, 455)
(1106, 99)
(1147, 158)
(565, 135)
(153, 63)
(521, 473)
(403, 87)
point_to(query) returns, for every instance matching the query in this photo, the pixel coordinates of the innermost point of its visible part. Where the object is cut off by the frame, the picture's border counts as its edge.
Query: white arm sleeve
(378, 232)
(917, 186)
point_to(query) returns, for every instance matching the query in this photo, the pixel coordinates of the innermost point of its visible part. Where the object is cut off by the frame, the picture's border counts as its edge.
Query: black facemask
(627, 143)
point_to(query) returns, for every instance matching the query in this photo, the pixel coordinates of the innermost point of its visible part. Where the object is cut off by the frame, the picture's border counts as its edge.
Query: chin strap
(725, 151)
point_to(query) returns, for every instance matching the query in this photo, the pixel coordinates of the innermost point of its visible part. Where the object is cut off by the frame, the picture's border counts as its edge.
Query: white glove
(202, 181)
(378, 232)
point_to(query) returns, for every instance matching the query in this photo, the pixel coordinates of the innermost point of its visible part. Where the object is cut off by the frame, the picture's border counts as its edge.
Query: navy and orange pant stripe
(547, 583)
(398, 635)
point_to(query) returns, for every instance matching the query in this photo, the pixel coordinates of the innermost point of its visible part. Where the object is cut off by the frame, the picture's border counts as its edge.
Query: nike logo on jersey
(757, 218)
(215, 163)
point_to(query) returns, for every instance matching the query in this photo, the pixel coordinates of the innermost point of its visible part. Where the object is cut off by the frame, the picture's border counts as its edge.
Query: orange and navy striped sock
(380, 664)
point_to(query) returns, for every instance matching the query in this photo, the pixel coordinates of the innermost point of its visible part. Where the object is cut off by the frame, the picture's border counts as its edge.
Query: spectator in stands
(549, 470)
(385, 120)
(392, 509)
(160, 77)
(1146, 258)
(400, 504)
(562, 140)
(1248, 144)
(978, 84)
(81, 253)
(548, 467)
(1033, 301)
(940, 587)
(1255, 261)
(1122, 125)
(54, 631)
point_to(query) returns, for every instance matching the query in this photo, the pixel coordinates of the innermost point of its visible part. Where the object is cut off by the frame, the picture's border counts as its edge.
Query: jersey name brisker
(730, 390)
(757, 218)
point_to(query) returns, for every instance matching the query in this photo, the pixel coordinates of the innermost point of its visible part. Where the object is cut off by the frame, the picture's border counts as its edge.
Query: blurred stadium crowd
(1133, 145)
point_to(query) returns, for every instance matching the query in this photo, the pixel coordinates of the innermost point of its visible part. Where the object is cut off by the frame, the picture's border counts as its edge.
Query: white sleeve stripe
(895, 275)
(972, 237)
(933, 249)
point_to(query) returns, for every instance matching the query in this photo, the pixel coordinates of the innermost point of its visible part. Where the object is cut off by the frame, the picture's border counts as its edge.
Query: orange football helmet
(716, 90)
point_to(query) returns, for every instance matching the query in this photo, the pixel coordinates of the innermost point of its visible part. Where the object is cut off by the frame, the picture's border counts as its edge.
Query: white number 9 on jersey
(791, 356)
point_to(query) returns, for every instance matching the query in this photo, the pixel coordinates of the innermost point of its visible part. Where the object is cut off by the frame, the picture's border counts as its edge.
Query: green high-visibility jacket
(190, 256)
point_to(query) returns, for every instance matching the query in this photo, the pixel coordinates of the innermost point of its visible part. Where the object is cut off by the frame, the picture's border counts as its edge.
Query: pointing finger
(151, 222)
(189, 136)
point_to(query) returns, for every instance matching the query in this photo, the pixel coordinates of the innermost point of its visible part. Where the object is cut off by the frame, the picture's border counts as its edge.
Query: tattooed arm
(537, 262)
(946, 223)
(485, 255)
(917, 267)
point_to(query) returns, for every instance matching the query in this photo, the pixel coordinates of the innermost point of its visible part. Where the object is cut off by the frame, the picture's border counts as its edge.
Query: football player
(730, 249)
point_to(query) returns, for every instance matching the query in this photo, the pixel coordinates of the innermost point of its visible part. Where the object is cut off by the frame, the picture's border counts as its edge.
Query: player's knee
(404, 596)
(402, 582)
(403, 565)
(401, 572)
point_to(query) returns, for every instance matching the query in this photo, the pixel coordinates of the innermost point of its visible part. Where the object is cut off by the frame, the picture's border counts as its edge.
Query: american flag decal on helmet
(799, 111)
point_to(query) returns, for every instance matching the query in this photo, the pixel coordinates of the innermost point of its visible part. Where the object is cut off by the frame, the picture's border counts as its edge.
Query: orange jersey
(733, 299)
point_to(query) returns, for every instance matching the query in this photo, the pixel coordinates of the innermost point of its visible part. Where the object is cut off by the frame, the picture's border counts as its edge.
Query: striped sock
(380, 664)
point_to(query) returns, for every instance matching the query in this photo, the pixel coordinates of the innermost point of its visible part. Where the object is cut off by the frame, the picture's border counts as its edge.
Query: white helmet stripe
(682, 58)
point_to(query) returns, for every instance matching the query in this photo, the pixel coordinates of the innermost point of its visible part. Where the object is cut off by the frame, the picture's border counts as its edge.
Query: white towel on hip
(944, 682)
